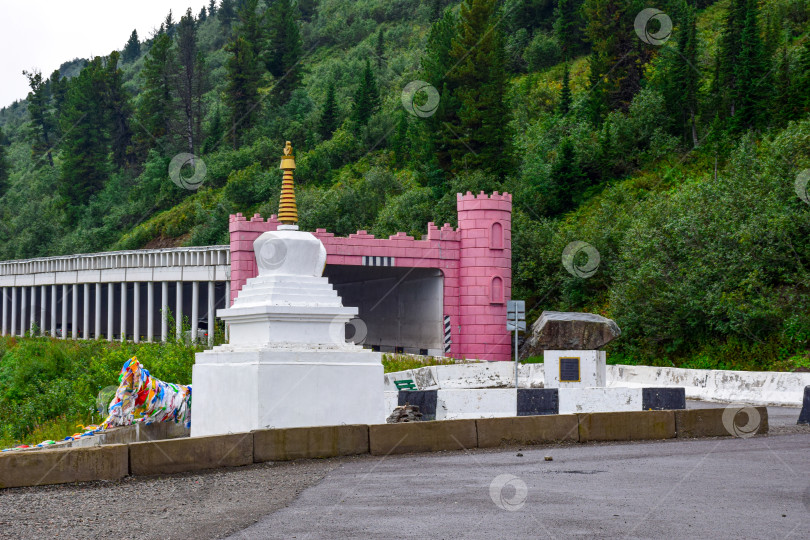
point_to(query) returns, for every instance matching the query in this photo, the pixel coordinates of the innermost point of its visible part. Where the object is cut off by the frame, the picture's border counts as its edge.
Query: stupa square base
(285, 388)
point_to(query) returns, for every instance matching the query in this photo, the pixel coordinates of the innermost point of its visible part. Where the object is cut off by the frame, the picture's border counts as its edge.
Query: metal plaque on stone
(569, 369)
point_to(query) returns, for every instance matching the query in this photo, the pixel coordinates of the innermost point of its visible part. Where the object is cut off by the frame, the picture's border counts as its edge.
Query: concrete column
(123, 311)
(110, 308)
(150, 311)
(211, 292)
(195, 308)
(74, 313)
(13, 311)
(227, 305)
(4, 307)
(43, 310)
(178, 312)
(86, 312)
(53, 310)
(33, 320)
(136, 322)
(164, 310)
(64, 311)
(23, 307)
(97, 326)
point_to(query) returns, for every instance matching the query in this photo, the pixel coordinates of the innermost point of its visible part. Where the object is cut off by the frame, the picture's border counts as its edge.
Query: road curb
(113, 462)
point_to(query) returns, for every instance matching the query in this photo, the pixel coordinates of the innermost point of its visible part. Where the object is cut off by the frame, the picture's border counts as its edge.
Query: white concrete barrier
(477, 375)
(588, 400)
(754, 387)
(459, 404)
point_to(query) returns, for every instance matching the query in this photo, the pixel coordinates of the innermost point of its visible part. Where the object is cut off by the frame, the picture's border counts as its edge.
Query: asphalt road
(710, 488)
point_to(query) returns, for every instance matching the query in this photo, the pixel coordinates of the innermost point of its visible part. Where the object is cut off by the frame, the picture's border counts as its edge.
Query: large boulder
(564, 331)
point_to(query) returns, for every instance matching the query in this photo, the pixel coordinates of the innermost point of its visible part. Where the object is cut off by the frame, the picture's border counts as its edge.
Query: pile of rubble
(404, 413)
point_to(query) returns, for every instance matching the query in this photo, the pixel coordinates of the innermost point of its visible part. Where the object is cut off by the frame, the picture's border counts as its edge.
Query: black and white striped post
(447, 335)
(516, 320)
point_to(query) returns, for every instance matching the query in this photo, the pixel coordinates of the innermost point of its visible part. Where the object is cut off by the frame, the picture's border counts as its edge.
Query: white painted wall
(587, 400)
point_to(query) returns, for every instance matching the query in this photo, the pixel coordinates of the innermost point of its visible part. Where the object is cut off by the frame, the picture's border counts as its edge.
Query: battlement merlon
(482, 201)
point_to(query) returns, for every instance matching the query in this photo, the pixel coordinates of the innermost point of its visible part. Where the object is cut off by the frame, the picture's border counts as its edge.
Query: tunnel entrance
(400, 308)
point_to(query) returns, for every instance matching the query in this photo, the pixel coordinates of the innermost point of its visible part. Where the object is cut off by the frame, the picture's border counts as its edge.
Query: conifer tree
(786, 103)
(212, 7)
(119, 110)
(685, 79)
(283, 54)
(751, 71)
(565, 93)
(156, 113)
(436, 66)
(169, 24)
(42, 122)
(617, 56)
(226, 13)
(568, 26)
(480, 138)
(380, 49)
(250, 26)
(59, 86)
(191, 80)
(203, 15)
(132, 49)
(86, 143)
(724, 86)
(328, 121)
(242, 88)
(366, 98)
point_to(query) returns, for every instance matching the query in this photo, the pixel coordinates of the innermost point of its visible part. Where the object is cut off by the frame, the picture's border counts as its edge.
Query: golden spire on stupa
(287, 210)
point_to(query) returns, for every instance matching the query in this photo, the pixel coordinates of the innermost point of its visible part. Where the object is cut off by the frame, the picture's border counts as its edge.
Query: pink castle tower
(475, 261)
(485, 274)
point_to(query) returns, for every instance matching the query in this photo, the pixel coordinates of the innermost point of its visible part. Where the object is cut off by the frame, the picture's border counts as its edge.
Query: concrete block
(593, 400)
(710, 423)
(41, 467)
(661, 399)
(527, 430)
(385, 439)
(537, 401)
(424, 399)
(190, 454)
(476, 403)
(626, 426)
(309, 442)
(591, 368)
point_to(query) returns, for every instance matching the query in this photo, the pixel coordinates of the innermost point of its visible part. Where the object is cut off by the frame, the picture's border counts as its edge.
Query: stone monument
(569, 343)
(576, 371)
(288, 363)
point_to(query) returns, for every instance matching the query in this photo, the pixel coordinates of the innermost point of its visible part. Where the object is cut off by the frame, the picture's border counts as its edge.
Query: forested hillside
(659, 160)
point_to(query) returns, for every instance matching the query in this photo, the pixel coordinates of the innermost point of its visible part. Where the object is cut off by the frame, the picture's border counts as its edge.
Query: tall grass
(49, 386)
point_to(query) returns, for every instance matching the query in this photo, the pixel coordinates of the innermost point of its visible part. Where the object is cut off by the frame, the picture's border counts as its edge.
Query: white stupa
(288, 363)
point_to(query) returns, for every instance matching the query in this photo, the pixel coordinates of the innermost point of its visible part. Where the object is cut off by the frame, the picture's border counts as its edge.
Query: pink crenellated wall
(475, 259)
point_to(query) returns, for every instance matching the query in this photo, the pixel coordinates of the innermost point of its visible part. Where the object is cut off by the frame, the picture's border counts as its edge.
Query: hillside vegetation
(677, 157)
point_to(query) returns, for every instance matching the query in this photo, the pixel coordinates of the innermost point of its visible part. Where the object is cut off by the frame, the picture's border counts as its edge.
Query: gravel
(208, 504)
